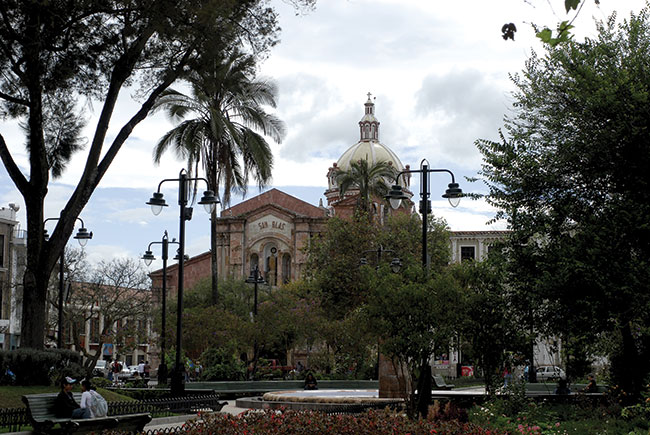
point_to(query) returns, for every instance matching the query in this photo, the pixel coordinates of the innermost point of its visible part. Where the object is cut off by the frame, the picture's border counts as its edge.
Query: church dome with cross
(368, 148)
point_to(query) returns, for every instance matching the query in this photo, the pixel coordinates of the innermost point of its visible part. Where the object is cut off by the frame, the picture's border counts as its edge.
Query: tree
(563, 32)
(115, 302)
(411, 317)
(228, 103)
(488, 320)
(370, 180)
(55, 52)
(570, 176)
(333, 264)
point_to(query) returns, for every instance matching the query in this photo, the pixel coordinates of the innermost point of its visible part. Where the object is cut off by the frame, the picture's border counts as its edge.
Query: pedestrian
(141, 369)
(507, 376)
(147, 369)
(116, 368)
(65, 406)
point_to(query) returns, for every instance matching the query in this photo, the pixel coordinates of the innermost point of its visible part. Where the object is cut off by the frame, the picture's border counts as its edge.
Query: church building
(271, 230)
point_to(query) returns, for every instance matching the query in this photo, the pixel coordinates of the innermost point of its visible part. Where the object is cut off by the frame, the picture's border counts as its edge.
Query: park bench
(440, 383)
(40, 411)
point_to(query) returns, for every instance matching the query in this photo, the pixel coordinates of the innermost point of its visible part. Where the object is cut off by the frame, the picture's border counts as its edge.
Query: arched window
(255, 261)
(286, 268)
(271, 264)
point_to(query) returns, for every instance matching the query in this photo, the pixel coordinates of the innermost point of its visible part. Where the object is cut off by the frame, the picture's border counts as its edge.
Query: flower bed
(307, 422)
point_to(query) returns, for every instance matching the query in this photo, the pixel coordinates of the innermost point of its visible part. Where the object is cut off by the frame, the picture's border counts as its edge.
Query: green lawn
(10, 396)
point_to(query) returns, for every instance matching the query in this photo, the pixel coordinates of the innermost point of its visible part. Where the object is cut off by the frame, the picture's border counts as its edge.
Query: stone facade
(269, 231)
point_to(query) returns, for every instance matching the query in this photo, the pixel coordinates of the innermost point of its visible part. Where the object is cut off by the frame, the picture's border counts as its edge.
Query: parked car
(550, 373)
(101, 368)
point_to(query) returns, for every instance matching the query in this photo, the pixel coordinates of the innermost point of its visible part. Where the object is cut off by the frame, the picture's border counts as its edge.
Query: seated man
(591, 386)
(65, 406)
(562, 387)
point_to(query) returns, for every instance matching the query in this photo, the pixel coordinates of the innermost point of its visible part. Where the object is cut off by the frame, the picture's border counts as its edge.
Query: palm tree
(226, 134)
(371, 180)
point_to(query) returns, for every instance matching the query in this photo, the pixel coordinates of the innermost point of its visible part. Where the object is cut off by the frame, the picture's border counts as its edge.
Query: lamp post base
(178, 382)
(162, 374)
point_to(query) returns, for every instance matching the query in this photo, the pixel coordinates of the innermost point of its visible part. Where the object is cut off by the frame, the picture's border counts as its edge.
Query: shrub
(446, 412)
(219, 364)
(41, 367)
(101, 382)
(292, 422)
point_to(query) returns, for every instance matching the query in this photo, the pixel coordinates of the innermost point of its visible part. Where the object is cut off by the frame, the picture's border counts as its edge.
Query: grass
(10, 396)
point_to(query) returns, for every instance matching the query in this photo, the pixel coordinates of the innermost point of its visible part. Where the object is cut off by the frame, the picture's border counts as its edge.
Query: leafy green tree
(488, 321)
(224, 136)
(570, 176)
(411, 317)
(370, 180)
(333, 264)
(59, 51)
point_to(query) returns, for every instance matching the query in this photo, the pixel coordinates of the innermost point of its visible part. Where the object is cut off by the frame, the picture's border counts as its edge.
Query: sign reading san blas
(269, 224)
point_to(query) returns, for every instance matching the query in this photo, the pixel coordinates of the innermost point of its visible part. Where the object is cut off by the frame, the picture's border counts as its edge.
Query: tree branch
(13, 170)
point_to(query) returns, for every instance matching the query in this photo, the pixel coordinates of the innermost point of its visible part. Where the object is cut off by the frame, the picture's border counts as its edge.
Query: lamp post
(395, 197)
(255, 278)
(395, 264)
(148, 257)
(82, 237)
(157, 202)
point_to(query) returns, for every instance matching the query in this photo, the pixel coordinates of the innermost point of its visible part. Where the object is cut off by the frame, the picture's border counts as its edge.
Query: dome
(368, 148)
(371, 150)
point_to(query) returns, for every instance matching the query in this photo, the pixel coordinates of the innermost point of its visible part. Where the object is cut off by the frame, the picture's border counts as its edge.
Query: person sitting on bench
(65, 406)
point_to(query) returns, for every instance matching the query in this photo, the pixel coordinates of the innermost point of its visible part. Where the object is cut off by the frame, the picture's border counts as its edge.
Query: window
(4, 300)
(286, 268)
(94, 330)
(2, 250)
(467, 253)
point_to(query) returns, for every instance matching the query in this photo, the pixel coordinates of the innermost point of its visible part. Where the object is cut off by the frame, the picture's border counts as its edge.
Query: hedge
(39, 367)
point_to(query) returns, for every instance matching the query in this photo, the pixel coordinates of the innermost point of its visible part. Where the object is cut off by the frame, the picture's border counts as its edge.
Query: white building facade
(13, 246)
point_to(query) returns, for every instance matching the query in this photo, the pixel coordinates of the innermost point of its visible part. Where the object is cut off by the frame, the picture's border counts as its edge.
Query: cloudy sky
(439, 73)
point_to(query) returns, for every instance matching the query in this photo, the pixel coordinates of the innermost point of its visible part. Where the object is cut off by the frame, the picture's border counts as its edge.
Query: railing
(15, 418)
(165, 407)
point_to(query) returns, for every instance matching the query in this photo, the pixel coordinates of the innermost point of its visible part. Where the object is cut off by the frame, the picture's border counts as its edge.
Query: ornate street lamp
(255, 278)
(82, 237)
(148, 257)
(157, 202)
(396, 195)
